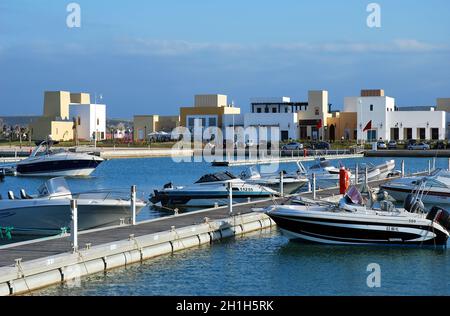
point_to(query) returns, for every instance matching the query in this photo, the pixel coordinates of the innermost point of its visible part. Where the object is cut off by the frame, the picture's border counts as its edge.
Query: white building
(266, 113)
(388, 123)
(90, 118)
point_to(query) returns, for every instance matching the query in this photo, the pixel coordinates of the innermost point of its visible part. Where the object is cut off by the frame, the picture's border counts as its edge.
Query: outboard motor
(441, 216)
(409, 202)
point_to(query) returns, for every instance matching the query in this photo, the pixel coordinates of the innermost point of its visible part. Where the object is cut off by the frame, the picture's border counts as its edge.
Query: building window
(274, 110)
(212, 121)
(191, 122)
(79, 120)
(98, 122)
(371, 107)
(266, 110)
(286, 110)
(435, 133)
(372, 135)
(317, 112)
(258, 110)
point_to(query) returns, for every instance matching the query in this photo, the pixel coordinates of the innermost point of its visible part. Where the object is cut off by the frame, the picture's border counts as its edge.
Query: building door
(314, 133)
(407, 133)
(372, 135)
(284, 135)
(421, 133)
(332, 133)
(435, 133)
(303, 132)
(394, 133)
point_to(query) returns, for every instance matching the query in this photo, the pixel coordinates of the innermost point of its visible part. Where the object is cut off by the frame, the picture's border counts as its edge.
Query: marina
(30, 265)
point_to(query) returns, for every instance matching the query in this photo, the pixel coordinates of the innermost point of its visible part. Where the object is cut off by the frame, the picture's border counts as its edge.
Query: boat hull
(54, 216)
(431, 197)
(58, 167)
(364, 231)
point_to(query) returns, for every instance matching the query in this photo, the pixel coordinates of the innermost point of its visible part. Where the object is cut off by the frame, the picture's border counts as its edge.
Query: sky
(151, 57)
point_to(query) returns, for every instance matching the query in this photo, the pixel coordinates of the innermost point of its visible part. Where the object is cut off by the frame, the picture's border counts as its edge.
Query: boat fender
(418, 207)
(441, 216)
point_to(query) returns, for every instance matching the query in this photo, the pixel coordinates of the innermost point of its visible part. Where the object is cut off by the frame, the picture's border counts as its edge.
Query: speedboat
(43, 161)
(323, 171)
(48, 212)
(436, 185)
(377, 172)
(350, 222)
(292, 183)
(210, 190)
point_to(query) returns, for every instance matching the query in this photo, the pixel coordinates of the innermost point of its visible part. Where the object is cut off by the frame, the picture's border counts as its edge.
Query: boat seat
(24, 195)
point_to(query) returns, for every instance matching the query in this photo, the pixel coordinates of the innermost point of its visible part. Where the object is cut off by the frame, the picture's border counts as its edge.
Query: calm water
(259, 264)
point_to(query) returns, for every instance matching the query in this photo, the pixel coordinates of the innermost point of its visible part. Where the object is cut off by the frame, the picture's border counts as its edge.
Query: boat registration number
(392, 229)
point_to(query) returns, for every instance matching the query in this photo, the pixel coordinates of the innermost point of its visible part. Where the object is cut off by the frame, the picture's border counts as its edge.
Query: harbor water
(263, 263)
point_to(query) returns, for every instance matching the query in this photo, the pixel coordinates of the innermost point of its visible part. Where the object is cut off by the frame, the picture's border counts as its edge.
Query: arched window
(371, 107)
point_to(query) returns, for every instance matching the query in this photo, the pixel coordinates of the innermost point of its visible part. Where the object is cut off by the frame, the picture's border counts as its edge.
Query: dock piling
(356, 174)
(281, 183)
(230, 198)
(314, 185)
(133, 205)
(74, 225)
(429, 167)
(403, 168)
(366, 176)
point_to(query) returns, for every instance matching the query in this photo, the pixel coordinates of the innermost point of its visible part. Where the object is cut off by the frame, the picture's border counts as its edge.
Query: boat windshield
(321, 164)
(214, 177)
(54, 187)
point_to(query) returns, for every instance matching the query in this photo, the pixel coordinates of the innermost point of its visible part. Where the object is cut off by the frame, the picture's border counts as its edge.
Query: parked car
(381, 145)
(392, 144)
(292, 146)
(419, 146)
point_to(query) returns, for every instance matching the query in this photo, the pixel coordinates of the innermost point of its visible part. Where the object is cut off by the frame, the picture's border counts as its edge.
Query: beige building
(312, 119)
(146, 124)
(342, 125)
(208, 111)
(56, 121)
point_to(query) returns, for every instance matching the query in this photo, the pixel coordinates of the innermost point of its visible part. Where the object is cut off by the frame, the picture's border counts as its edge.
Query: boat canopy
(214, 177)
(55, 187)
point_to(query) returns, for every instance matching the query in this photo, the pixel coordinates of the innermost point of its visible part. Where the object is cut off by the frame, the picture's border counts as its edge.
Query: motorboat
(323, 171)
(436, 187)
(350, 222)
(44, 161)
(377, 172)
(210, 190)
(292, 182)
(48, 212)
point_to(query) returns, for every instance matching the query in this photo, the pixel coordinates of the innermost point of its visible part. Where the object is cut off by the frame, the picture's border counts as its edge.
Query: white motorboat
(208, 191)
(323, 171)
(352, 223)
(48, 212)
(44, 161)
(436, 187)
(292, 183)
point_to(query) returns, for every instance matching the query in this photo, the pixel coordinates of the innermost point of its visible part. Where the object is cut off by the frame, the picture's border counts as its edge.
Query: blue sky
(150, 57)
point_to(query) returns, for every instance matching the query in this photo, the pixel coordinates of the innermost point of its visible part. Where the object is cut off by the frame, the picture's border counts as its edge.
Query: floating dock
(31, 265)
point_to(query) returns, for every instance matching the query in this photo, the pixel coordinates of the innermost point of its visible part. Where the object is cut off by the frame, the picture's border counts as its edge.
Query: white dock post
(434, 163)
(230, 197)
(281, 184)
(74, 224)
(309, 186)
(356, 173)
(314, 185)
(403, 168)
(366, 177)
(133, 205)
(429, 167)
(448, 164)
